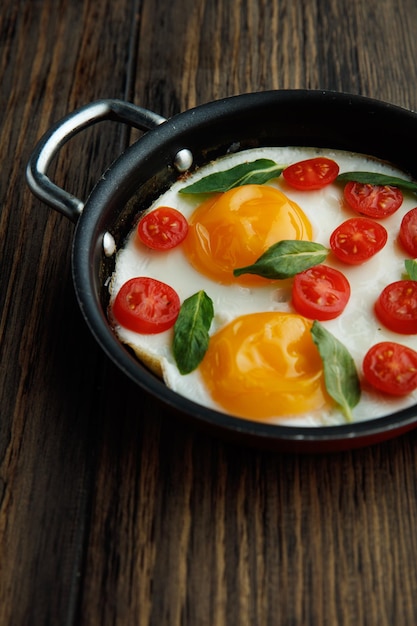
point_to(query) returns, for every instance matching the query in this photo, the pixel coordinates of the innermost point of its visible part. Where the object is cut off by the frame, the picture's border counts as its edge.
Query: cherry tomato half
(396, 307)
(163, 228)
(146, 305)
(377, 201)
(320, 292)
(356, 240)
(391, 367)
(408, 232)
(311, 174)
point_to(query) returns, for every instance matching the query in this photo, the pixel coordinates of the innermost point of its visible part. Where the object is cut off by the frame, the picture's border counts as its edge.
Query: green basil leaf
(340, 375)
(286, 258)
(191, 336)
(411, 268)
(257, 172)
(374, 178)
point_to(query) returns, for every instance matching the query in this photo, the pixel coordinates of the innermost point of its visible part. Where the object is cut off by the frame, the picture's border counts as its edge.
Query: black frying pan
(149, 166)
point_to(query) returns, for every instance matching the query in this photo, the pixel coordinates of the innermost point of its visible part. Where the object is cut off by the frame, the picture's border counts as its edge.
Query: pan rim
(87, 240)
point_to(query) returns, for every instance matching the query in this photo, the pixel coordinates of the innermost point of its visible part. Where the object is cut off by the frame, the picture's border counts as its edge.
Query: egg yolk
(264, 365)
(233, 229)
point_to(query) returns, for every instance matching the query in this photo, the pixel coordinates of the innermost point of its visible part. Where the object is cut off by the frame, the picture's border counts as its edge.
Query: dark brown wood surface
(112, 512)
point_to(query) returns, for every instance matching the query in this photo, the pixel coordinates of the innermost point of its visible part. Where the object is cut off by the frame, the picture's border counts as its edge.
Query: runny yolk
(233, 229)
(264, 365)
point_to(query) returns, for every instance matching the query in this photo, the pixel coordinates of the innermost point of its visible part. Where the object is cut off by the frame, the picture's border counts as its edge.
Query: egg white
(357, 328)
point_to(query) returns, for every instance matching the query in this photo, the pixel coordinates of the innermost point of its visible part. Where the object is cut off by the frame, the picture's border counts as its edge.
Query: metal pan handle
(53, 140)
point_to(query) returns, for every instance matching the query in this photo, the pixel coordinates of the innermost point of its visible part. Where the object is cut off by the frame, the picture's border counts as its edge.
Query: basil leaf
(257, 172)
(374, 178)
(340, 375)
(286, 258)
(411, 268)
(191, 336)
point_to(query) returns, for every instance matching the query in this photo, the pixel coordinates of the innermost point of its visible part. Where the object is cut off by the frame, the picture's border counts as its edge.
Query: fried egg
(261, 363)
(236, 227)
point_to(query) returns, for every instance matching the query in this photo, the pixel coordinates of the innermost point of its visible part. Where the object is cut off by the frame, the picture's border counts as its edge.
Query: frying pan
(186, 141)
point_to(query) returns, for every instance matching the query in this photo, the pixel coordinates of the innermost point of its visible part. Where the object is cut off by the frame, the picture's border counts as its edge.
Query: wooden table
(111, 510)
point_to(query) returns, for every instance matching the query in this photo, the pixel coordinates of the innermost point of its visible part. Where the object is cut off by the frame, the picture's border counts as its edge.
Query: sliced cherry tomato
(408, 232)
(146, 305)
(357, 240)
(391, 367)
(377, 201)
(163, 228)
(396, 307)
(311, 174)
(320, 292)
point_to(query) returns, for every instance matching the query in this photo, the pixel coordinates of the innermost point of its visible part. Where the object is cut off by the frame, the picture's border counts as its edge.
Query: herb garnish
(340, 375)
(191, 336)
(256, 172)
(285, 259)
(374, 178)
(411, 268)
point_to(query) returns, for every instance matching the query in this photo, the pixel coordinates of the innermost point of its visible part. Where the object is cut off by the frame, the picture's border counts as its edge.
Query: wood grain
(113, 511)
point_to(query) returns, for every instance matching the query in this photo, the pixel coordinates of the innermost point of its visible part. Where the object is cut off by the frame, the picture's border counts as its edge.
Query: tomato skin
(376, 201)
(396, 307)
(408, 232)
(146, 305)
(358, 239)
(391, 367)
(320, 293)
(311, 174)
(163, 228)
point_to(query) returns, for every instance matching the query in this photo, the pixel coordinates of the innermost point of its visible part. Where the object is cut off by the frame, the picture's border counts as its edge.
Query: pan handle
(53, 140)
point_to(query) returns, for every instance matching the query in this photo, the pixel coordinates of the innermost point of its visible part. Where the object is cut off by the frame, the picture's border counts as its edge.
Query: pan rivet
(109, 244)
(183, 160)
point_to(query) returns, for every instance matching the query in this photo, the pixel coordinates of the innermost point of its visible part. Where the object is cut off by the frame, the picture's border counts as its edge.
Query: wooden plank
(111, 510)
(54, 56)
